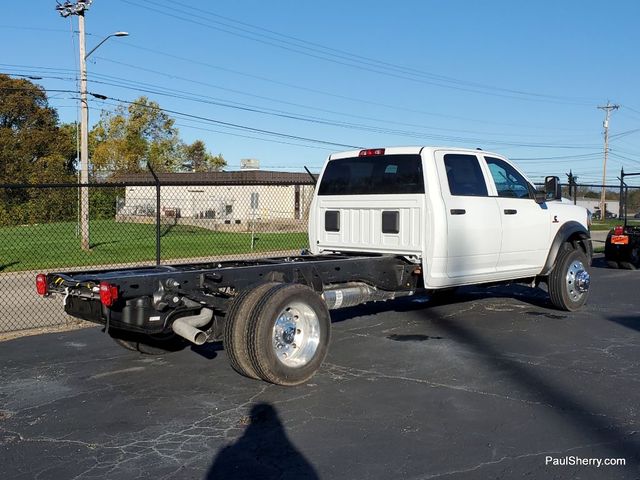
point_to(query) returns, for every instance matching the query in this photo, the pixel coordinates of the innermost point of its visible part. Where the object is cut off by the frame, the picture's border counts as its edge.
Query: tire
(235, 329)
(612, 264)
(157, 344)
(628, 265)
(564, 290)
(288, 334)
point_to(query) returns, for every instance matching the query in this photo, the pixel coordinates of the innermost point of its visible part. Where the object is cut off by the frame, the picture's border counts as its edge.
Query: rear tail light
(371, 152)
(618, 230)
(108, 294)
(41, 284)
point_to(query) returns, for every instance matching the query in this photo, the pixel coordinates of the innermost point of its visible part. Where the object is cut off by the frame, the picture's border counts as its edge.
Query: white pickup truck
(384, 223)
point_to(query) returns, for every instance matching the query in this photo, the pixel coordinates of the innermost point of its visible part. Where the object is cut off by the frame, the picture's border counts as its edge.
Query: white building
(218, 198)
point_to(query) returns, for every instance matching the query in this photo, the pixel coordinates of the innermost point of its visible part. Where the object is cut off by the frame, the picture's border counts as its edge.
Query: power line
(271, 99)
(622, 157)
(464, 140)
(584, 155)
(289, 85)
(624, 134)
(311, 119)
(370, 65)
(235, 125)
(423, 136)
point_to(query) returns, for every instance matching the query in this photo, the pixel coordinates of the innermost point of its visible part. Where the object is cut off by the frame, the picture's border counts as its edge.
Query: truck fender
(569, 232)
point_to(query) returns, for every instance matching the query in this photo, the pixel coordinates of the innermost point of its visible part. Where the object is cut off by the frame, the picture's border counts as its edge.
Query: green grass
(55, 245)
(612, 222)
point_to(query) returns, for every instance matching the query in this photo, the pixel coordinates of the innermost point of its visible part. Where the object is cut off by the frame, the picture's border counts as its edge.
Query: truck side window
(464, 175)
(509, 182)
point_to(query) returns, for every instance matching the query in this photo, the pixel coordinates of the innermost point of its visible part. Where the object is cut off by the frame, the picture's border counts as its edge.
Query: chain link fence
(139, 220)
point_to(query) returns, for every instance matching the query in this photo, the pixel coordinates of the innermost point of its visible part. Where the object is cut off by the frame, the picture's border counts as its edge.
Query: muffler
(187, 327)
(352, 294)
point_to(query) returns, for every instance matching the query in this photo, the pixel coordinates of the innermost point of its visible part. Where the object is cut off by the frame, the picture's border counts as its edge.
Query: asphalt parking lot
(489, 387)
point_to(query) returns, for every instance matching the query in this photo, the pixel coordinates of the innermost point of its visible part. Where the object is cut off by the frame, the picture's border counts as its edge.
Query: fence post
(157, 181)
(573, 187)
(622, 201)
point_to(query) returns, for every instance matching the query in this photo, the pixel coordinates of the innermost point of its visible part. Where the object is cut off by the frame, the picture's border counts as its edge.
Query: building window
(228, 209)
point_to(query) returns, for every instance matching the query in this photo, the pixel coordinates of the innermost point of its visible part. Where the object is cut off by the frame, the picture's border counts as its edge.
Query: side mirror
(552, 188)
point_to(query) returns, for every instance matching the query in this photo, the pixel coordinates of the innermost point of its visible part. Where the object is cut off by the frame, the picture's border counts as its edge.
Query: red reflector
(372, 151)
(41, 284)
(108, 294)
(618, 230)
(619, 239)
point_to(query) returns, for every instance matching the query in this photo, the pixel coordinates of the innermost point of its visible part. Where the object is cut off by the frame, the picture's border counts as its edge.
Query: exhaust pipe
(352, 294)
(187, 327)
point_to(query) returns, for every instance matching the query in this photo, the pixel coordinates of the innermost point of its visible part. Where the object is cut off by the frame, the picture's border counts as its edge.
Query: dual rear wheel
(277, 332)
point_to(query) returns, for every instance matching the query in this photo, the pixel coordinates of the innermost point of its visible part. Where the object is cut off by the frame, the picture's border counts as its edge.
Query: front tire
(288, 334)
(569, 280)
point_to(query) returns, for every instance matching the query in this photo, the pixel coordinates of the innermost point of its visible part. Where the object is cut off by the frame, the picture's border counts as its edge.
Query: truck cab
(467, 216)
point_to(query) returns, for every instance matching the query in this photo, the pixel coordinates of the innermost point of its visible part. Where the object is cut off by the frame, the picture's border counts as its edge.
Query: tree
(28, 128)
(33, 149)
(132, 136)
(197, 159)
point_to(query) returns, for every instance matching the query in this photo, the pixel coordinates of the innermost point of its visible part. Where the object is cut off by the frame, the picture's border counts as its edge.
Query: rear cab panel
(371, 203)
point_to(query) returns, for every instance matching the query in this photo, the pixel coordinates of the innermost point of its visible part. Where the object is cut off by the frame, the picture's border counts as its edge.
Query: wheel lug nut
(298, 331)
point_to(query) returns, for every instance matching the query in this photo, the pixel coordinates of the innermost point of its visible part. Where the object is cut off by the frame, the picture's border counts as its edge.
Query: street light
(115, 34)
(84, 131)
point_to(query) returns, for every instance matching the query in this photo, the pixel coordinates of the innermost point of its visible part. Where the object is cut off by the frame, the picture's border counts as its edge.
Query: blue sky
(519, 78)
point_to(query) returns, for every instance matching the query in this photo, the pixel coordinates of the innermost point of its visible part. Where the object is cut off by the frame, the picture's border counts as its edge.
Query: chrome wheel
(577, 280)
(296, 335)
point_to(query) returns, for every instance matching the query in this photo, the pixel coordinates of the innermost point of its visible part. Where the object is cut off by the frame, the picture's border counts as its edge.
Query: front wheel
(570, 279)
(288, 334)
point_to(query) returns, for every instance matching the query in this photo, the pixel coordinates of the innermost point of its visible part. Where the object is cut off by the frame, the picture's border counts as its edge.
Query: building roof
(242, 177)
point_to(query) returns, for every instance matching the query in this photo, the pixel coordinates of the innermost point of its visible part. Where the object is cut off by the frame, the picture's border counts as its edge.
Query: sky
(289, 82)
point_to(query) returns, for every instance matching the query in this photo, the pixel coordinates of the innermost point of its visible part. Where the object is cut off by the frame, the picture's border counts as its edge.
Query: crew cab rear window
(465, 175)
(383, 174)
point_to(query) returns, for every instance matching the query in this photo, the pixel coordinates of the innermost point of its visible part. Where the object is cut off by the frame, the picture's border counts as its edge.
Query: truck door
(525, 223)
(473, 219)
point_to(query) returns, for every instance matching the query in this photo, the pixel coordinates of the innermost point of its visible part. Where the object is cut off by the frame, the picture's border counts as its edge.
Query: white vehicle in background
(384, 223)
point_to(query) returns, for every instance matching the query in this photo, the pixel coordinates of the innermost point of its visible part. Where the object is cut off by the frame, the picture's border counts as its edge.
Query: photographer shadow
(264, 452)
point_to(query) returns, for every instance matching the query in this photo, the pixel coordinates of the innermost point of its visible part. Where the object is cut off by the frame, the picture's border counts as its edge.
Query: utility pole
(78, 9)
(607, 108)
